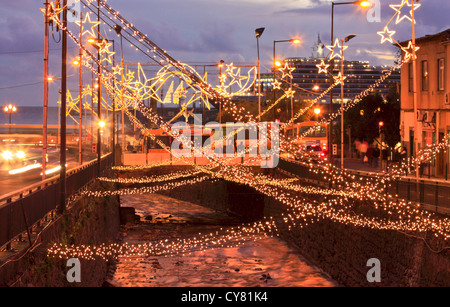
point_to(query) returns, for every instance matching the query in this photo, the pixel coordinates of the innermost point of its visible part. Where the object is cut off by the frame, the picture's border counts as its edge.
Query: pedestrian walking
(363, 149)
(376, 156)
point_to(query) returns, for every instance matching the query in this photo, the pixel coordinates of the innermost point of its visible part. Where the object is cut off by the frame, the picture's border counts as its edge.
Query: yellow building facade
(432, 82)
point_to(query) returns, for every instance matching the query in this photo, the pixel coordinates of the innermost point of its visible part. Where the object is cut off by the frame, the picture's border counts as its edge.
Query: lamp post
(99, 94)
(415, 96)
(45, 99)
(258, 33)
(62, 160)
(118, 30)
(277, 64)
(10, 109)
(220, 65)
(380, 126)
(362, 3)
(80, 131)
(342, 95)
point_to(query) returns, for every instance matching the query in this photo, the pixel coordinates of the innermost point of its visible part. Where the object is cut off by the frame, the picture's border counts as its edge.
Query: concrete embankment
(88, 221)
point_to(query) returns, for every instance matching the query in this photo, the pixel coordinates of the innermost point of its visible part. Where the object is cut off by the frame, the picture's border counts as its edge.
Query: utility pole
(45, 103)
(414, 64)
(342, 103)
(62, 175)
(80, 131)
(99, 95)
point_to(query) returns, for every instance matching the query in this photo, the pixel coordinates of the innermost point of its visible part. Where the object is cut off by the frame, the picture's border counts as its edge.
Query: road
(13, 182)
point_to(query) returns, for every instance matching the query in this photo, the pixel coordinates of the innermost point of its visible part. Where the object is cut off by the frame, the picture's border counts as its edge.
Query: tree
(365, 117)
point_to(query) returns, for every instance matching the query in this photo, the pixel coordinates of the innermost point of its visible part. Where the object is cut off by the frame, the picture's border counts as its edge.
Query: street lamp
(220, 65)
(10, 109)
(118, 30)
(380, 127)
(348, 38)
(96, 42)
(361, 3)
(258, 33)
(278, 64)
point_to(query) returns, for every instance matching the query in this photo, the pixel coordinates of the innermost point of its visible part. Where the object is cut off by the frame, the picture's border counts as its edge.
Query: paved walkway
(265, 262)
(358, 165)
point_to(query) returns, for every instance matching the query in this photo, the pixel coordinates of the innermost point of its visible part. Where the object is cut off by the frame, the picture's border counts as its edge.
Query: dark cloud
(207, 30)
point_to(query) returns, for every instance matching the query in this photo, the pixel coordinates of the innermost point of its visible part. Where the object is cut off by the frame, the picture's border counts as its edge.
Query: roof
(444, 36)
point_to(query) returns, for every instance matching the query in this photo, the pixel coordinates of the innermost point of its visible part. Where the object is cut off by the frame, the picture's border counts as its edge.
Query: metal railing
(22, 209)
(432, 194)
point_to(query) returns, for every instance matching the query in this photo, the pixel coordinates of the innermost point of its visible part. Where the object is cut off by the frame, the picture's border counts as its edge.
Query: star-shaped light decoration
(289, 93)
(53, 12)
(332, 49)
(339, 78)
(107, 54)
(87, 20)
(323, 68)
(287, 71)
(243, 82)
(386, 35)
(276, 85)
(398, 8)
(409, 51)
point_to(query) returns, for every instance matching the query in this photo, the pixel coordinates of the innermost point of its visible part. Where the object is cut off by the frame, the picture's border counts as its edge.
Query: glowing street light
(10, 109)
(363, 4)
(258, 33)
(317, 111)
(278, 64)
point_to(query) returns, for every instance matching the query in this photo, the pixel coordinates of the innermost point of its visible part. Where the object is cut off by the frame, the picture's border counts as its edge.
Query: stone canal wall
(339, 250)
(343, 251)
(89, 221)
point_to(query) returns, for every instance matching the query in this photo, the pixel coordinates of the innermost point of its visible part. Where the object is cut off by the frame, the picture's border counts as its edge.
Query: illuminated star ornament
(339, 78)
(323, 68)
(386, 35)
(276, 85)
(94, 24)
(332, 49)
(289, 93)
(409, 51)
(287, 71)
(398, 8)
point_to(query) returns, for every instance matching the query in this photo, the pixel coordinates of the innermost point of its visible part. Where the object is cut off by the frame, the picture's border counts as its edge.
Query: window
(410, 78)
(441, 74)
(424, 75)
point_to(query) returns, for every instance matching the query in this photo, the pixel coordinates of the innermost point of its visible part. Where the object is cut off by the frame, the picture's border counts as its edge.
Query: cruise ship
(309, 83)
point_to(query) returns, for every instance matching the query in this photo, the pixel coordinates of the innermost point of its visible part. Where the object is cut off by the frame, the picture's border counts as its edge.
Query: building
(433, 101)
(310, 83)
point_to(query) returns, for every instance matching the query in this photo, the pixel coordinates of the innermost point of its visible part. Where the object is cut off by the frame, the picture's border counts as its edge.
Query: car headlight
(7, 155)
(20, 155)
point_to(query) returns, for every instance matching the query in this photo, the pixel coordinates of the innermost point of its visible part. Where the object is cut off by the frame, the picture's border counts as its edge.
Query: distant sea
(34, 116)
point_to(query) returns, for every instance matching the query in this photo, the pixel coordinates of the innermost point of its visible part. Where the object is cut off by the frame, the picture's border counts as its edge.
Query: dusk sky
(194, 31)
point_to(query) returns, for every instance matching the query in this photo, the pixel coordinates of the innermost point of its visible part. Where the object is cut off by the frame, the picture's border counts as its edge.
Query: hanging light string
(301, 213)
(91, 57)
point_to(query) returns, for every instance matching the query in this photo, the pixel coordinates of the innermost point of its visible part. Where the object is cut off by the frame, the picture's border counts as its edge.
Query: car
(316, 152)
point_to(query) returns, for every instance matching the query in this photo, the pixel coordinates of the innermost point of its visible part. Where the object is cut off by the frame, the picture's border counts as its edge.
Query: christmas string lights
(336, 216)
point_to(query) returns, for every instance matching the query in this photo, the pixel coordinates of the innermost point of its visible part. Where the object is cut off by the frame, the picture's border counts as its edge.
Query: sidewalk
(358, 165)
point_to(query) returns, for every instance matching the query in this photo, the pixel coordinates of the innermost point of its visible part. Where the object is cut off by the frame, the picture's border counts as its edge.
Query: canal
(242, 262)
